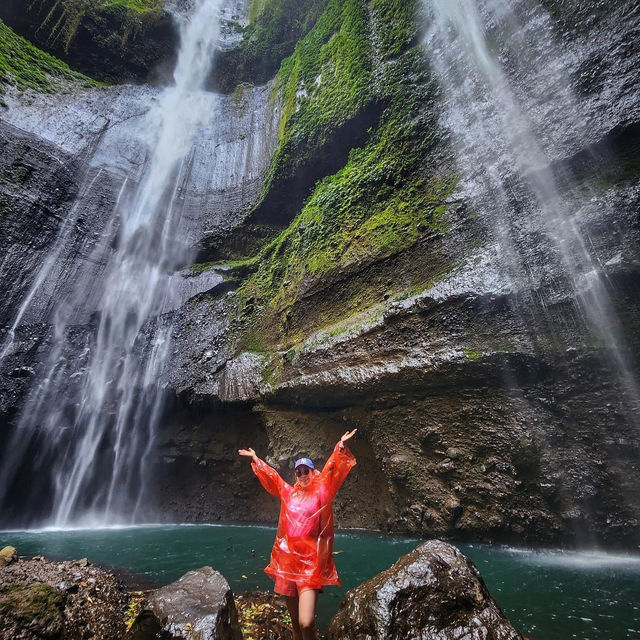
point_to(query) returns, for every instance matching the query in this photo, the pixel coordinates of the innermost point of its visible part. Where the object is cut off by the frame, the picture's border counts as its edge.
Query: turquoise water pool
(551, 595)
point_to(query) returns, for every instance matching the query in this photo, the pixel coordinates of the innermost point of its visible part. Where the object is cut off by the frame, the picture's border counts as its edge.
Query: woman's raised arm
(269, 478)
(338, 465)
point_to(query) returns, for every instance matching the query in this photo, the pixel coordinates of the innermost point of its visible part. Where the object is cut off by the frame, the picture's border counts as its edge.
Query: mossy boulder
(31, 611)
(111, 40)
(26, 67)
(8, 555)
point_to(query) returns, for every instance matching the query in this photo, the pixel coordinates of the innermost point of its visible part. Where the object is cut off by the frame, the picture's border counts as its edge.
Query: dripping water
(503, 154)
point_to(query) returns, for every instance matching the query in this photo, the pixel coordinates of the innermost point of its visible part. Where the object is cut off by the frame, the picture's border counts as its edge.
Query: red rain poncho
(303, 548)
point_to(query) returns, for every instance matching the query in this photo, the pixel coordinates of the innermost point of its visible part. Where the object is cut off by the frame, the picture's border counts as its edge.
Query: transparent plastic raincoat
(303, 548)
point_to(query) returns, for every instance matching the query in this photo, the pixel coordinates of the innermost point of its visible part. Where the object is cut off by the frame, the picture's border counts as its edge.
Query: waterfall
(502, 83)
(90, 417)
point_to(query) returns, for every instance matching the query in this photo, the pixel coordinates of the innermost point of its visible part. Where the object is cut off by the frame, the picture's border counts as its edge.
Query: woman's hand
(345, 437)
(248, 453)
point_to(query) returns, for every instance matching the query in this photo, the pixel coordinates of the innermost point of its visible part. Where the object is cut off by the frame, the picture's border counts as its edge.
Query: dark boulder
(198, 606)
(45, 600)
(433, 593)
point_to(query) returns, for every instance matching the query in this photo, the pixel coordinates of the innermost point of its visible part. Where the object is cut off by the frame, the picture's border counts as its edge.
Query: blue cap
(304, 461)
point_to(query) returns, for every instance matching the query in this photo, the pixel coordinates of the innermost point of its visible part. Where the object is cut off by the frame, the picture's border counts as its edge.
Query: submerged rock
(434, 592)
(198, 606)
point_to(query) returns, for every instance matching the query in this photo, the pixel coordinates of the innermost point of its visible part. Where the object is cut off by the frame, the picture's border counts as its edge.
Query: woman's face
(303, 475)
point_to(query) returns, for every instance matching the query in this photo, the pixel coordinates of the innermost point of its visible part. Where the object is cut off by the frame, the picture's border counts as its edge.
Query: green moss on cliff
(111, 40)
(325, 83)
(25, 66)
(391, 191)
(65, 16)
(398, 26)
(274, 29)
(141, 6)
(384, 199)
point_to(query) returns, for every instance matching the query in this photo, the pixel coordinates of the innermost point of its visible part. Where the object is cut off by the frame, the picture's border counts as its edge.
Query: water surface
(551, 595)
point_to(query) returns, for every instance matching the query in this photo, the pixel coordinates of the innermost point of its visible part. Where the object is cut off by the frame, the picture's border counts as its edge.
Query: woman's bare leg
(292, 607)
(307, 613)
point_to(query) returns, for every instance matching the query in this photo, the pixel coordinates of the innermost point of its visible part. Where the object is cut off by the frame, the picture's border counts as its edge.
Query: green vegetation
(392, 190)
(274, 28)
(325, 83)
(141, 6)
(65, 16)
(112, 40)
(136, 604)
(398, 26)
(36, 606)
(379, 204)
(25, 66)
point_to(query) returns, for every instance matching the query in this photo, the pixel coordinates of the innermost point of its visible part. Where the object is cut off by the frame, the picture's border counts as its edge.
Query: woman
(302, 555)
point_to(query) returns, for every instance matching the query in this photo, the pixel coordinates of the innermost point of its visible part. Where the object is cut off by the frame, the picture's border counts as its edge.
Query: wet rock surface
(433, 593)
(484, 408)
(67, 600)
(198, 606)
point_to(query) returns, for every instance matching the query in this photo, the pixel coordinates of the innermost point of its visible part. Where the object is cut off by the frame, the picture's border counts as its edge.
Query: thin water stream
(500, 78)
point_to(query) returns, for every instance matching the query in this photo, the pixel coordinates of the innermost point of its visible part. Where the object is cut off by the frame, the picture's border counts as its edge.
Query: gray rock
(199, 606)
(433, 593)
(68, 587)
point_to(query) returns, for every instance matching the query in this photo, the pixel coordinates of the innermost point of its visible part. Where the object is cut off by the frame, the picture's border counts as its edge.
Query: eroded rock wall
(486, 405)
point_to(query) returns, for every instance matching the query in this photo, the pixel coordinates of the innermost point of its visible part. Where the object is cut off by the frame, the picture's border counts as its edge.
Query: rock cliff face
(355, 270)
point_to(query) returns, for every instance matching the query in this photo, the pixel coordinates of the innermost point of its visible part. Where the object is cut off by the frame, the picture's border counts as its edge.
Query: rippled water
(550, 595)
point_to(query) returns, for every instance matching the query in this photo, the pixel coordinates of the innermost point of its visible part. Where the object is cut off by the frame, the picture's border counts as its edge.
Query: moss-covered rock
(274, 29)
(358, 122)
(25, 66)
(329, 103)
(392, 191)
(31, 611)
(112, 40)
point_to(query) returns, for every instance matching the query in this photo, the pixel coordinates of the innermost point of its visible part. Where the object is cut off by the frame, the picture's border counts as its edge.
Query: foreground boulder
(31, 612)
(433, 593)
(47, 600)
(199, 606)
(8, 555)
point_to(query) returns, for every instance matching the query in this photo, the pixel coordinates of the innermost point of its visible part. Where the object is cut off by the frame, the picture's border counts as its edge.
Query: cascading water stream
(505, 163)
(92, 425)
